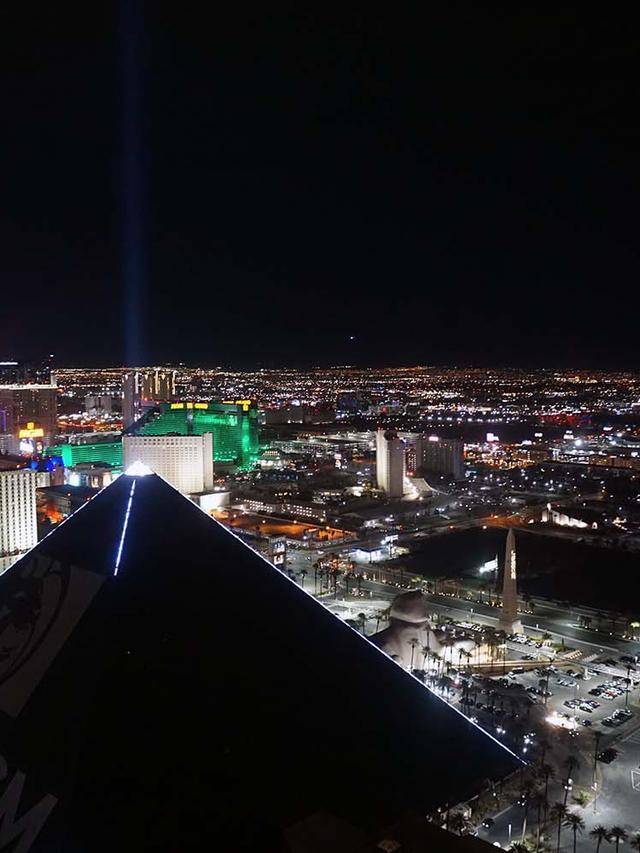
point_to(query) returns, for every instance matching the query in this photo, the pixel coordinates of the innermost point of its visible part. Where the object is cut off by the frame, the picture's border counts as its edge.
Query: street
(502, 709)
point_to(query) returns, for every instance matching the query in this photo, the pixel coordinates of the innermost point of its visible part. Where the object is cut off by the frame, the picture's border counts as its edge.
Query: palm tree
(477, 643)
(601, 833)
(468, 655)
(617, 834)
(544, 746)
(321, 574)
(494, 644)
(520, 847)
(302, 575)
(362, 619)
(547, 772)
(426, 654)
(380, 614)
(444, 683)
(335, 575)
(347, 578)
(458, 823)
(558, 812)
(576, 823)
(448, 643)
(571, 763)
(540, 802)
(635, 841)
(413, 642)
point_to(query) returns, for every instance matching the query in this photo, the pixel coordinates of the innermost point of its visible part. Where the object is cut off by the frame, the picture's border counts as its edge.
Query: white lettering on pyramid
(19, 833)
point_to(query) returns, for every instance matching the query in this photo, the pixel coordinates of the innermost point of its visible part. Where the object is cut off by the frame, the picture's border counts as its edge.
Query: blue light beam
(132, 177)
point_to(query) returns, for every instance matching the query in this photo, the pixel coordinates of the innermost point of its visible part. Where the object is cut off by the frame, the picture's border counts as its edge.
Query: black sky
(458, 187)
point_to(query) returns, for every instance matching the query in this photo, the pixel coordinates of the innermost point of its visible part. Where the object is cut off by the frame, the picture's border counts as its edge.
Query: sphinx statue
(410, 635)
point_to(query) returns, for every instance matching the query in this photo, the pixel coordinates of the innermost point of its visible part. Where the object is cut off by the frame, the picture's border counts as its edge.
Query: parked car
(608, 755)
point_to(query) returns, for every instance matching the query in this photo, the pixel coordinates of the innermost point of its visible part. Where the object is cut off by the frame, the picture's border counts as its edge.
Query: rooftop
(172, 690)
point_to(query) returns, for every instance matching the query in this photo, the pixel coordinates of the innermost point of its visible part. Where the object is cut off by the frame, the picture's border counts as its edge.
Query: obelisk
(509, 621)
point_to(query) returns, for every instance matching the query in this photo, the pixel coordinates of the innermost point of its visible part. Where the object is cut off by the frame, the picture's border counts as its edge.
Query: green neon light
(235, 431)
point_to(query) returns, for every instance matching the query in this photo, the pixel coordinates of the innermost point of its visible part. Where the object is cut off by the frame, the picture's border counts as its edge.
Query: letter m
(29, 824)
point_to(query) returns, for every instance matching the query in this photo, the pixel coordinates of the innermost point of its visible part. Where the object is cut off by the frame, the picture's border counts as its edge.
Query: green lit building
(106, 452)
(234, 425)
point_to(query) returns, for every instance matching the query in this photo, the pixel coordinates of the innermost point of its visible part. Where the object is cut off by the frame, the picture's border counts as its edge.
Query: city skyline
(319, 428)
(248, 367)
(373, 504)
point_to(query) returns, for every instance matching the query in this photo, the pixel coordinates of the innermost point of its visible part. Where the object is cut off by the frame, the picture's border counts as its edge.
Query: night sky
(255, 188)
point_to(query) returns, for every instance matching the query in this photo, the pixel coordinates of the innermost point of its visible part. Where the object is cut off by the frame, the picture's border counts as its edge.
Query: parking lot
(563, 723)
(521, 707)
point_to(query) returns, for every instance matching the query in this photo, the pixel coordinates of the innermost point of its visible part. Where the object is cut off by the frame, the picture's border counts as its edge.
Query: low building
(91, 475)
(217, 499)
(96, 452)
(304, 511)
(575, 517)
(295, 509)
(55, 503)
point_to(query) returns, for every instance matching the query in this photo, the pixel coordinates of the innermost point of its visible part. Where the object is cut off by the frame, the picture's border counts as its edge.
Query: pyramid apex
(138, 469)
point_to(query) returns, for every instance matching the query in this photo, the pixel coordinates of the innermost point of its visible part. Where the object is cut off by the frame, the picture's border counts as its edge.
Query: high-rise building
(186, 461)
(234, 425)
(29, 412)
(98, 404)
(18, 520)
(143, 389)
(11, 373)
(27, 372)
(412, 452)
(390, 464)
(411, 459)
(509, 620)
(443, 456)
